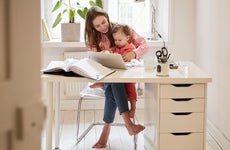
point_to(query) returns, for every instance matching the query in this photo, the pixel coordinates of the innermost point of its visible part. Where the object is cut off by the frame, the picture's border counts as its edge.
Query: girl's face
(101, 24)
(120, 39)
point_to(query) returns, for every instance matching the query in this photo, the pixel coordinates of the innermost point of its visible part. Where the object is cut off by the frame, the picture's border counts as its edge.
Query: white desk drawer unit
(186, 141)
(181, 122)
(181, 116)
(182, 91)
(182, 105)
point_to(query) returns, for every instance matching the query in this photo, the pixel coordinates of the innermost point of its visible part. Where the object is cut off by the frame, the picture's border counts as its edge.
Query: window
(144, 16)
(136, 14)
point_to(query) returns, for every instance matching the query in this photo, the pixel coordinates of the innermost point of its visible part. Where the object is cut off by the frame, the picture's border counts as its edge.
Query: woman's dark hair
(92, 36)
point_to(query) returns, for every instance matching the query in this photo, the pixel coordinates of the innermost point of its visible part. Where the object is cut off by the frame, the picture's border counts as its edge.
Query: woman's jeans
(115, 96)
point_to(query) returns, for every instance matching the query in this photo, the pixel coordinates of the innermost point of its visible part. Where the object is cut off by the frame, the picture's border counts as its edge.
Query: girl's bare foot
(133, 108)
(101, 143)
(135, 129)
(132, 113)
(97, 85)
(132, 128)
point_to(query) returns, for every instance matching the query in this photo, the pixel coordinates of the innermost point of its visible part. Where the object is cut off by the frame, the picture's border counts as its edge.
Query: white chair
(88, 92)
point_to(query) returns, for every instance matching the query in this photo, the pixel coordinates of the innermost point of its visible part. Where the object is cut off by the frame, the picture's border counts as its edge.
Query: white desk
(172, 105)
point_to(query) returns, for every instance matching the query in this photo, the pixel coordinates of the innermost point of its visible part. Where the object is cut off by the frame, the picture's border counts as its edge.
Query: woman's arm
(141, 47)
(140, 44)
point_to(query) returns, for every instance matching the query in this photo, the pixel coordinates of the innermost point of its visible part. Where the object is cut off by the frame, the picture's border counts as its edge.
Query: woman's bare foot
(98, 145)
(97, 85)
(101, 143)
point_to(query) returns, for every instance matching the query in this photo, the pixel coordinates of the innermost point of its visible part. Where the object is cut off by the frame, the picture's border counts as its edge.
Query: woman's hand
(128, 56)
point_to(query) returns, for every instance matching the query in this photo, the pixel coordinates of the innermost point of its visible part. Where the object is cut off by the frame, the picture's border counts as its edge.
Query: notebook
(111, 60)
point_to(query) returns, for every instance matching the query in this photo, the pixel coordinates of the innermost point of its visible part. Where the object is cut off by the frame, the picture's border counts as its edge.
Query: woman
(98, 37)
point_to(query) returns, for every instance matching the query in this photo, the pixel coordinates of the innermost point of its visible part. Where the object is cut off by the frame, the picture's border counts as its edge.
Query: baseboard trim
(215, 137)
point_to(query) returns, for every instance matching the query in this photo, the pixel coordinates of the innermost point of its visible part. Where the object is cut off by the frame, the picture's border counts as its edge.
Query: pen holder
(162, 69)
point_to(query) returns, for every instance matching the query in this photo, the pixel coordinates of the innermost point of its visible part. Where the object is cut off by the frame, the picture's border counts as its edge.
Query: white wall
(213, 55)
(182, 41)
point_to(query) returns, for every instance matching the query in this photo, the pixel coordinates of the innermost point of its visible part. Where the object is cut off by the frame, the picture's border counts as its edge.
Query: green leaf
(96, 3)
(57, 20)
(91, 3)
(99, 3)
(82, 12)
(72, 12)
(85, 11)
(57, 5)
(71, 15)
(64, 11)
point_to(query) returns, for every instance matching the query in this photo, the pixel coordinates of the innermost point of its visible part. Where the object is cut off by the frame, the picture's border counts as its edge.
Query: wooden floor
(118, 140)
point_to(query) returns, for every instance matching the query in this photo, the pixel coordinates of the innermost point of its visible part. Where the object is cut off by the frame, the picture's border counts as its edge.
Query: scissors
(162, 55)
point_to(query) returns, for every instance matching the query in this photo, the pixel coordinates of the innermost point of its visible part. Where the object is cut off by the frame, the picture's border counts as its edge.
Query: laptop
(111, 60)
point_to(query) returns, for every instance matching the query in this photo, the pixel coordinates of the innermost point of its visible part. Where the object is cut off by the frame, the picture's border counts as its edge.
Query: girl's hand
(128, 56)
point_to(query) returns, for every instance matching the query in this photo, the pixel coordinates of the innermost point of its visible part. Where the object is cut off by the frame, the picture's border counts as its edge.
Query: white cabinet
(176, 120)
(193, 141)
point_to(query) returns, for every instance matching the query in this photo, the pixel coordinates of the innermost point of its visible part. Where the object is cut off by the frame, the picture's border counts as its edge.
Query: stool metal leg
(80, 137)
(78, 115)
(135, 137)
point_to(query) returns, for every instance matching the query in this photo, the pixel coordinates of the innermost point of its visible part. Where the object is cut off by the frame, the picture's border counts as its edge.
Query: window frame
(167, 32)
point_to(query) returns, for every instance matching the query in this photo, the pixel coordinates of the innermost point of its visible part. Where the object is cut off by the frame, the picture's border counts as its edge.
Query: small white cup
(162, 69)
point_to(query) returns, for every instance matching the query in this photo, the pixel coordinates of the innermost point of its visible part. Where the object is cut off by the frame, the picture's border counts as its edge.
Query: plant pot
(70, 32)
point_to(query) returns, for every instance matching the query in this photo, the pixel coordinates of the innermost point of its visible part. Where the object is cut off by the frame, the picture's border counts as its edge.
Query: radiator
(77, 55)
(72, 90)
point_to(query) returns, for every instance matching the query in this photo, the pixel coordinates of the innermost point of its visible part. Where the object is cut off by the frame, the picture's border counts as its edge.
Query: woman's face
(101, 24)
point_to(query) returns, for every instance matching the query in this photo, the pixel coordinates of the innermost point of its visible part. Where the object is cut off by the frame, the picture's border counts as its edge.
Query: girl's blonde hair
(121, 27)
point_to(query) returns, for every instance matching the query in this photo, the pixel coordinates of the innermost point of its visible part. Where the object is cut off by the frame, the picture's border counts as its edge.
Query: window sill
(58, 43)
(81, 44)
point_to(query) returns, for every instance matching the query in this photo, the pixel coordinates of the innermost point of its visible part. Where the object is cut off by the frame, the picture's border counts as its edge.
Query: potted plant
(71, 31)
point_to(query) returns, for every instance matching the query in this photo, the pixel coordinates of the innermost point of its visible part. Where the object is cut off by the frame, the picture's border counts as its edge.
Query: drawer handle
(181, 99)
(181, 133)
(182, 113)
(182, 85)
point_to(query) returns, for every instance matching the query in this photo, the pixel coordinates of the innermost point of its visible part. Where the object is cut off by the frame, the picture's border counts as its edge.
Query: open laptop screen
(111, 60)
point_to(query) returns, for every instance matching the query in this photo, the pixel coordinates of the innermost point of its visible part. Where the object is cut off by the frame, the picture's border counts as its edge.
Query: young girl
(121, 35)
(98, 37)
